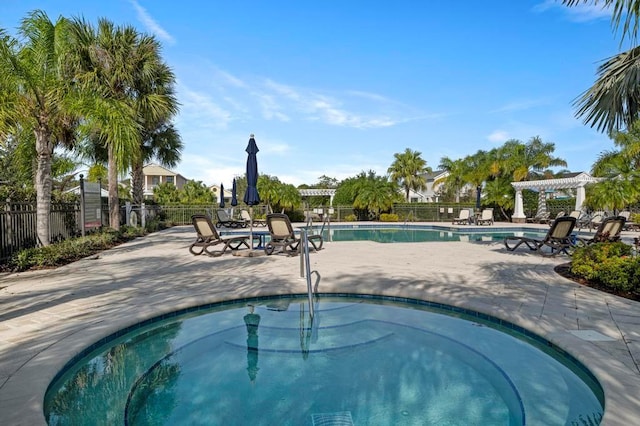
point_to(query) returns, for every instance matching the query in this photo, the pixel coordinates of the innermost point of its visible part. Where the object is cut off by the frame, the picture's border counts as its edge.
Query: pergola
(577, 182)
(318, 192)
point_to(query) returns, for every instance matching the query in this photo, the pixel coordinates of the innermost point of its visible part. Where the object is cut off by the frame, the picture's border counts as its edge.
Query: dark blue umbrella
(234, 197)
(221, 196)
(251, 196)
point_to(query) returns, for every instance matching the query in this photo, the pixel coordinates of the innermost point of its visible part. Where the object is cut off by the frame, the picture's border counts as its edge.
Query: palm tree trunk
(136, 184)
(114, 203)
(44, 182)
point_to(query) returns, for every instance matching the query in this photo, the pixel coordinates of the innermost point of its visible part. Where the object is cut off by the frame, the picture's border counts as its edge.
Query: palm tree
(621, 168)
(408, 170)
(119, 64)
(35, 96)
(476, 171)
(163, 144)
(288, 197)
(268, 190)
(155, 105)
(612, 102)
(454, 179)
(527, 161)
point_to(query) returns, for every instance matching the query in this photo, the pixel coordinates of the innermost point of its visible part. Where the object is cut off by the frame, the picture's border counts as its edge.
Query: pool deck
(46, 317)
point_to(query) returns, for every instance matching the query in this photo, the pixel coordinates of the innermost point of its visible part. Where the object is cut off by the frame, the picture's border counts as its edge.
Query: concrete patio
(46, 317)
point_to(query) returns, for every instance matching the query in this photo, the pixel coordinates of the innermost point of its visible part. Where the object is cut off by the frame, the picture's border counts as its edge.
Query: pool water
(360, 361)
(416, 235)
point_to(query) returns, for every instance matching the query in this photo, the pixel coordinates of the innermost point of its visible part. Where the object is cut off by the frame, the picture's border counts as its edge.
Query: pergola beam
(576, 182)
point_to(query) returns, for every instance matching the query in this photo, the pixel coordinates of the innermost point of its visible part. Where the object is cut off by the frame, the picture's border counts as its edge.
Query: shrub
(608, 264)
(388, 217)
(350, 218)
(70, 250)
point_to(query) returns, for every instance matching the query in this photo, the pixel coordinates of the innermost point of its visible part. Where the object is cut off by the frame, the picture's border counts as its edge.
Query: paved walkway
(48, 316)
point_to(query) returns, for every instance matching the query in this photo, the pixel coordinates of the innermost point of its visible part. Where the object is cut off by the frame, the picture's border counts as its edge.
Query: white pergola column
(518, 212)
(580, 195)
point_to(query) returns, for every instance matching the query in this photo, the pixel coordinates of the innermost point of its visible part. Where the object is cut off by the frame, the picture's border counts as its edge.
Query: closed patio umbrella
(251, 196)
(221, 196)
(234, 196)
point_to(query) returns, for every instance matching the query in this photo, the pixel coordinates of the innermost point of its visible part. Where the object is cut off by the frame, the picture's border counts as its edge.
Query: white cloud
(578, 13)
(498, 136)
(201, 107)
(150, 24)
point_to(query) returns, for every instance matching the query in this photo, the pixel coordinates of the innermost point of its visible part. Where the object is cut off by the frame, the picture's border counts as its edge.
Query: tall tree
(36, 82)
(119, 64)
(527, 161)
(455, 175)
(408, 171)
(477, 169)
(612, 103)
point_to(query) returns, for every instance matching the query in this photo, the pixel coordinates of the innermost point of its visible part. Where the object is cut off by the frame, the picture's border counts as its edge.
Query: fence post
(127, 212)
(82, 211)
(143, 215)
(9, 221)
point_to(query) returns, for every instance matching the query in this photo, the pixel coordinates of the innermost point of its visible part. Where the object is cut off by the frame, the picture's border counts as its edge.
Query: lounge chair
(558, 238)
(561, 213)
(541, 218)
(628, 224)
(244, 215)
(486, 218)
(227, 221)
(283, 236)
(608, 231)
(591, 221)
(464, 217)
(208, 238)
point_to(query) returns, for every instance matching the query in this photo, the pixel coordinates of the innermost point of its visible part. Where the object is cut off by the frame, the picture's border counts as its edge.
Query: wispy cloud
(201, 108)
(330, 109)
(498, 136)
(150, 24)
(578, 13)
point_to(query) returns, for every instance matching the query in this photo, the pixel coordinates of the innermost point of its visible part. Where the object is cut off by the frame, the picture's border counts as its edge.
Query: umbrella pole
(251, 227)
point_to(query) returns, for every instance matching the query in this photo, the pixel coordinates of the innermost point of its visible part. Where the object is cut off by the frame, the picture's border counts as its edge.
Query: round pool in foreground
(362, 360)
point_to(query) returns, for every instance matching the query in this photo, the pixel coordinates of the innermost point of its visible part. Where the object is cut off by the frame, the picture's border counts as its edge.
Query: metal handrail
(304, 257)
(406, 218)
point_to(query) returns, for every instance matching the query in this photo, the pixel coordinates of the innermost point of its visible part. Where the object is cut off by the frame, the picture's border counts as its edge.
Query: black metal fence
(18, 225)
(18, 220)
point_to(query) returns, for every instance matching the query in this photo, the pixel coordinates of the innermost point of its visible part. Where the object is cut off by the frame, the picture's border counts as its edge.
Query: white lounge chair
(486, 218)
(464, 217)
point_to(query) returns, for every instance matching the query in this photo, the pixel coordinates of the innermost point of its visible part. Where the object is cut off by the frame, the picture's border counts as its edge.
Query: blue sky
(334, 88)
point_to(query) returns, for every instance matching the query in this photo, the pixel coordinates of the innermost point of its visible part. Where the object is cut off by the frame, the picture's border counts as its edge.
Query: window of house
(155, 180)
(170, 179)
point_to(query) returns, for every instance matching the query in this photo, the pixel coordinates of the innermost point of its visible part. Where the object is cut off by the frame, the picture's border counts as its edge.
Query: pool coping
(49, 316)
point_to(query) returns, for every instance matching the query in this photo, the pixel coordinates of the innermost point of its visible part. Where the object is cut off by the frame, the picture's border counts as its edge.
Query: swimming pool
(415, 234)
(365, 360)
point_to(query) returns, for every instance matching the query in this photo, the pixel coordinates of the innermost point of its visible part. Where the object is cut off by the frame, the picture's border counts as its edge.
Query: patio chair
(561, 213)
(207, 238)
(608, 231)
(629, 225)
(227, 221)
(244, 215)
(283, 236)
(464, 217)
(486, 218)
(539, 218)
(558, 238)
(591, 221)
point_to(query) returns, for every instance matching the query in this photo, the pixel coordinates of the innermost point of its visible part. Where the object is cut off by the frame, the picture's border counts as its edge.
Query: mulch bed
(565, 271)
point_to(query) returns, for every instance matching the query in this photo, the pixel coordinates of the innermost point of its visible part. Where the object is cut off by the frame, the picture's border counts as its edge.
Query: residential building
(154, 174)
